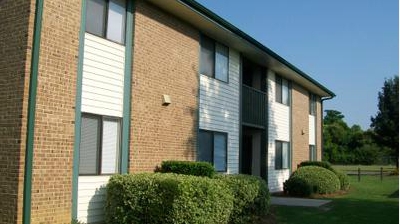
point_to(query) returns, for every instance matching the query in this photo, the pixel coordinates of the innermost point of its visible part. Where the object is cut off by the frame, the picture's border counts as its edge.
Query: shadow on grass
(394, 195)
(342, 210)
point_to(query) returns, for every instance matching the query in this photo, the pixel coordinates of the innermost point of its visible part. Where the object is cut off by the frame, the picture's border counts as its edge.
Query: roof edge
(227, 25)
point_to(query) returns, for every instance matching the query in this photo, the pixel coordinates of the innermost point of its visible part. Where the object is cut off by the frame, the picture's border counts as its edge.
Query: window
(281, 155)
(106, 18)
(313, 153)
(214, 59)
(313, 104)
(213, 149)
(281, 90)
(100, 145)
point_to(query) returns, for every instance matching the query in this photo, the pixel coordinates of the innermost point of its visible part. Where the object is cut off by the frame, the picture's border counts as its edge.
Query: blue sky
(348, 46)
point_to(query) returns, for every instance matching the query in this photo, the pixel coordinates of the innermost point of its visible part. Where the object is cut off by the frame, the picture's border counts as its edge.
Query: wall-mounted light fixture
(166, 100)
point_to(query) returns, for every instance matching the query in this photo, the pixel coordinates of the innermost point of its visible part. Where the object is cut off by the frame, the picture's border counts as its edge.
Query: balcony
(253, 107)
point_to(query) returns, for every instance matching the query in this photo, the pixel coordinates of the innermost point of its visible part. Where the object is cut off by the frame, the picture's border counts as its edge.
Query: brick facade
(300, 132)
(165, 61)
(15, 49)
(55, 113)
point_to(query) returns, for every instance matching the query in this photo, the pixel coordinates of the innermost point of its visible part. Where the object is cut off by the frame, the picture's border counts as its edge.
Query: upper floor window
(313, 104)
(213, 149)
(214, 59)
(106, 18)
(281, 90)
(100, 145)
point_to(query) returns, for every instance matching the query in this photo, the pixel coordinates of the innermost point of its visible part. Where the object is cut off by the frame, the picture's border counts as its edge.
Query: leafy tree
(386, 122)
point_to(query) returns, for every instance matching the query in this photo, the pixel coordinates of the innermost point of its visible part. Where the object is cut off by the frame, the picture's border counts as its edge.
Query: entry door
(247, 154)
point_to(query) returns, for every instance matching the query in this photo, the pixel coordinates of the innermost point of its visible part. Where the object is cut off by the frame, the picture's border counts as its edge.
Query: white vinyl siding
(91, 194)
(278, 130)
(219, 108)
(311, 128)
(103, 76)
(102, 94)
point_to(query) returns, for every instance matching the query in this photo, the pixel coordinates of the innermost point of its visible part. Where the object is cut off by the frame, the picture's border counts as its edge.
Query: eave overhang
(221, 30)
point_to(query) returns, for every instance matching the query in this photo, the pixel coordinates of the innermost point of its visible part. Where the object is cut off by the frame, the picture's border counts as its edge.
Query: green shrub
(251, 197)
(297, 187)
(320, 180)
(203, 169)
(167, 198)
(343, 178)
(323, 164)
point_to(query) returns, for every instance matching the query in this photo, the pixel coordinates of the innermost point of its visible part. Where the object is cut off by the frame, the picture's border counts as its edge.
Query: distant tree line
(377, 145)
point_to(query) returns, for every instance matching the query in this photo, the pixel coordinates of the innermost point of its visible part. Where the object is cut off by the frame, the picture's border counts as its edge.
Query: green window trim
(27, 197)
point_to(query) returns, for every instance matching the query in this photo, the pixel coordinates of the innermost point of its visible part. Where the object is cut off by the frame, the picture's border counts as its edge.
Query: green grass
(376, 168)
(368, 201)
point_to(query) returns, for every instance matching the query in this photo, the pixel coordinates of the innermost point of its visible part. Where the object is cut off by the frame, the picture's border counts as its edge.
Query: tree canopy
(386, 122)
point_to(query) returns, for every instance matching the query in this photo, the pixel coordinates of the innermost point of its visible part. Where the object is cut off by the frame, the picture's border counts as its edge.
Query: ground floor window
(313, 153)
(213, 149)
(282, 155)
(100, 145)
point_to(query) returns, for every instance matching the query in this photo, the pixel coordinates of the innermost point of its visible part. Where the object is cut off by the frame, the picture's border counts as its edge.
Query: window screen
(213, 149)
(89, 145)
(116, 21)
(278, 89)
(207, 56)
(100, 145)
(221, 62)
(285, 92)
(205, 146)
(110, 149)
(220, 152)
(95, 16)
(282, 155)
(313, 153)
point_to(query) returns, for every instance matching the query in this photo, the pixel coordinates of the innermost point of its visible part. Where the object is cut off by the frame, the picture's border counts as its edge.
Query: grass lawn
(375, 168)
(368, 201)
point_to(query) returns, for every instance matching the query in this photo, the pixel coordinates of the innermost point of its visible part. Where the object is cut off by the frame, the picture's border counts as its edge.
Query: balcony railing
(253, 107)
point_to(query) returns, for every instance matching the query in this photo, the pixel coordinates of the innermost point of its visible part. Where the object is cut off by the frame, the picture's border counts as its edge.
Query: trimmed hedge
(320, 180)
(251, 197)
(343, 178)
(202, 169)
(167, 198)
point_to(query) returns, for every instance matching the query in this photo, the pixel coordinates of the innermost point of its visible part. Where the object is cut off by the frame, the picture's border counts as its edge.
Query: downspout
(34, 72)
(322, 123)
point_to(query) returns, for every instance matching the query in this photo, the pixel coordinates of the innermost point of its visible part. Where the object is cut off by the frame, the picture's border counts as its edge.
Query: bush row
(203, 169)
(167, 198)
(176, 198)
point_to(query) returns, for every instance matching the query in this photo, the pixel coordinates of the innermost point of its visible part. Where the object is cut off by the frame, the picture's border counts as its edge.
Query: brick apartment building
(96, 87)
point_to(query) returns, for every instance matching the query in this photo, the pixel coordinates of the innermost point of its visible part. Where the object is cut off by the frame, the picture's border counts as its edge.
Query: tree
(386, 122)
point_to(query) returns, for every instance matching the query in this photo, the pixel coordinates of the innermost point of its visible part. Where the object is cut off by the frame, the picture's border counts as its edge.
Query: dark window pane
(278, 155)
(221, 62)
(95, 14)
(278, 89)
(88, 157)
(207, 56)
(116, 21)
(205, 152)
(220, 152)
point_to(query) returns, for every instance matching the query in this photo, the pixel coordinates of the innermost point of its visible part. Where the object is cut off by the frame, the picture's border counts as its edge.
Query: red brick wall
(55, 112)
(300, 132)
(165, 61)
(16, 32)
